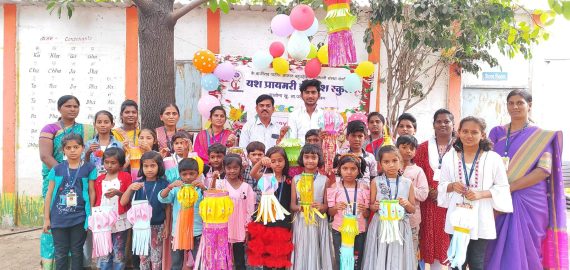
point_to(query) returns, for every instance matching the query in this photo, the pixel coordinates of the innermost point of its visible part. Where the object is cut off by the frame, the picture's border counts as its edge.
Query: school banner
(239, 95)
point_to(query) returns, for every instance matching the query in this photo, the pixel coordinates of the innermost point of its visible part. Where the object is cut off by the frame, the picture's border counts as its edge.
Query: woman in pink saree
(534, 235)
(215, 134)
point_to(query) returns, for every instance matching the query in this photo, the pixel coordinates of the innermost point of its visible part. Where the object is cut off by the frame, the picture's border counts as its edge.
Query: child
(406, 125)
(182, 146)
(313, 136)
(102, 141)
(340, 202)
(190, 174)
(407, 147)
(147, 142)
(67, 203)
(390, 186)
(215, 168)
(243, 198)
(151, 182)
(313, 246)
(473, 174)
(356, 134)
(270, 245)
(255, 151)
(109, 188)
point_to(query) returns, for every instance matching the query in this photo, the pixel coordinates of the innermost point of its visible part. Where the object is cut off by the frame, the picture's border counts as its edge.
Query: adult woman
(434, 241)
(215, 134)
(376, 123)
(169, 115)
(128, 133)
(534, 235)
(473, 185)
(51, 154)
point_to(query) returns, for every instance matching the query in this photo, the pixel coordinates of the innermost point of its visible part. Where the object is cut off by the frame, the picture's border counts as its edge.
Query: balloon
(206, 103)
(365, 69)
(352, 83)
(313, 29)
(225, 71)
(302, 17)
(205, 61)
(262, 60)
(313, 52)
(280, 65)
(323, 54)
(298, 46)
(276, 49)
(313, 68)
(210, 82)
(281, 25)
(358, 116)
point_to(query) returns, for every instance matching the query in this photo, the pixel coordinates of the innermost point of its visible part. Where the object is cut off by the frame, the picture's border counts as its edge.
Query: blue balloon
(210, 82)
(262, 60)
(352, 83)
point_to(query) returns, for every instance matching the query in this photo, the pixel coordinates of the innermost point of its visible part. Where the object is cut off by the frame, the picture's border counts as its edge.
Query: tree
(422, 38)
(157, 19)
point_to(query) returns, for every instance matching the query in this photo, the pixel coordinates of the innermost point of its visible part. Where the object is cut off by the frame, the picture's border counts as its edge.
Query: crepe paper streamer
(387, 138)
(339, 20)
(100, 223)
(135, 154)
(293, 148)
(348, 232)
(139, 215)
(184, 238)
(305, 188)
(171, 169)
(269, 209)
(331, 122)
(214, 252)
(462, 221)
(391, 212)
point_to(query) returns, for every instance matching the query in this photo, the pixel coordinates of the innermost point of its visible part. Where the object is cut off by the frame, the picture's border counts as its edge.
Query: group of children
(95, 174)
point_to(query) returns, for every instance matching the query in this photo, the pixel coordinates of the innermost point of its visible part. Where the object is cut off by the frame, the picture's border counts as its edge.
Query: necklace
(474, 167)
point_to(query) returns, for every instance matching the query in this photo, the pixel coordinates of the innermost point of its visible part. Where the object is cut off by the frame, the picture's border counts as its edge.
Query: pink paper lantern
(302, 17)
(313, 68)
(276, 49)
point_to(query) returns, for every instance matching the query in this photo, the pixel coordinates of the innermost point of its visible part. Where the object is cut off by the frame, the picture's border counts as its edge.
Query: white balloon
(262, 60)
(313, 29)
(298, 46)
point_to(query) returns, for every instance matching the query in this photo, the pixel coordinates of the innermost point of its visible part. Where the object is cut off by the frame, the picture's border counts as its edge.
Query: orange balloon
(205, 61)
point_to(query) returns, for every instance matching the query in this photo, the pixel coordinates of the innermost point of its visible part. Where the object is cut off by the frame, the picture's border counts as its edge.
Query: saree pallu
(534, 235)
(205, 139)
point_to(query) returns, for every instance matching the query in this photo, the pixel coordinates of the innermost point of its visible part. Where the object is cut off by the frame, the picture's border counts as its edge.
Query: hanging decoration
(339, 20)
(139, 215)
(293, 148)
(281, 25)
(269, 209)
(462, 221)
(101, 222)
(331, 122)
(391, 212)
(184, 238)
(302, 17)
(348, 232)
(305, 188)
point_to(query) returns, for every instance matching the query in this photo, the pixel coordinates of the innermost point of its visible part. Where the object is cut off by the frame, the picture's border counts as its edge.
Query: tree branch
(145, 6)
(177, 14)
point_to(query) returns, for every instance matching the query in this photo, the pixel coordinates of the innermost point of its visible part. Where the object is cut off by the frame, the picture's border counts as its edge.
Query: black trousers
(69, 241)
(358, 248)
(178, 255)
(239, 255)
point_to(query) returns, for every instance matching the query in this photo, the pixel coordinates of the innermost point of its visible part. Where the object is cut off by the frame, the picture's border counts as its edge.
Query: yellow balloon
(323, 55)
(364, 69)
(280, 65)
(313, 52)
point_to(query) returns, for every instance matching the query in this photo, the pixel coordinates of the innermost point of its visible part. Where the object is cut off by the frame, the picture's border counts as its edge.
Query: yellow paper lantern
(205, 61)
(280, 65)
(313, 52)
(323, 54)
(364, 69)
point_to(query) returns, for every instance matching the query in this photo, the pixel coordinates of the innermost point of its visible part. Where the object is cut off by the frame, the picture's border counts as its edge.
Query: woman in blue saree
(534, 235)
(51, 154)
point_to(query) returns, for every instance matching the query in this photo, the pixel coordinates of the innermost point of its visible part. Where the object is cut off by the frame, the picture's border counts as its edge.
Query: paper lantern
(323, 54)
(205, 61)
(225, 71)
(313, 68)
(262, 60)
(298, 46)
(364, 69)
(210, 82)
(280, 65)
(352, 83)
(276, 49)
(339, 20)
(206, 103)
(302, 17)
(281, 25)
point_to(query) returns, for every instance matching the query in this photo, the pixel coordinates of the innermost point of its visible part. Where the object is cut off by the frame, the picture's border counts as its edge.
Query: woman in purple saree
(534, 235)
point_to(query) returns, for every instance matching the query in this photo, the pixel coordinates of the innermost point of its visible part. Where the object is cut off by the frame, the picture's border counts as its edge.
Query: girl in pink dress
(243, 198)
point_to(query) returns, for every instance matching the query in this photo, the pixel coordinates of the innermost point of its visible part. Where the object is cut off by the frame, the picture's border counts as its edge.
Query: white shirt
(492, 177)
(300, 122)
(257, 131)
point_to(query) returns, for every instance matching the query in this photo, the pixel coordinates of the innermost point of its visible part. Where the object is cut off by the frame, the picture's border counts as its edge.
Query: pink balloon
(225, 71)
(276, 49)
(313, 68)
(206, 103)
(281, 25)
(302, 17)
(358, 116)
